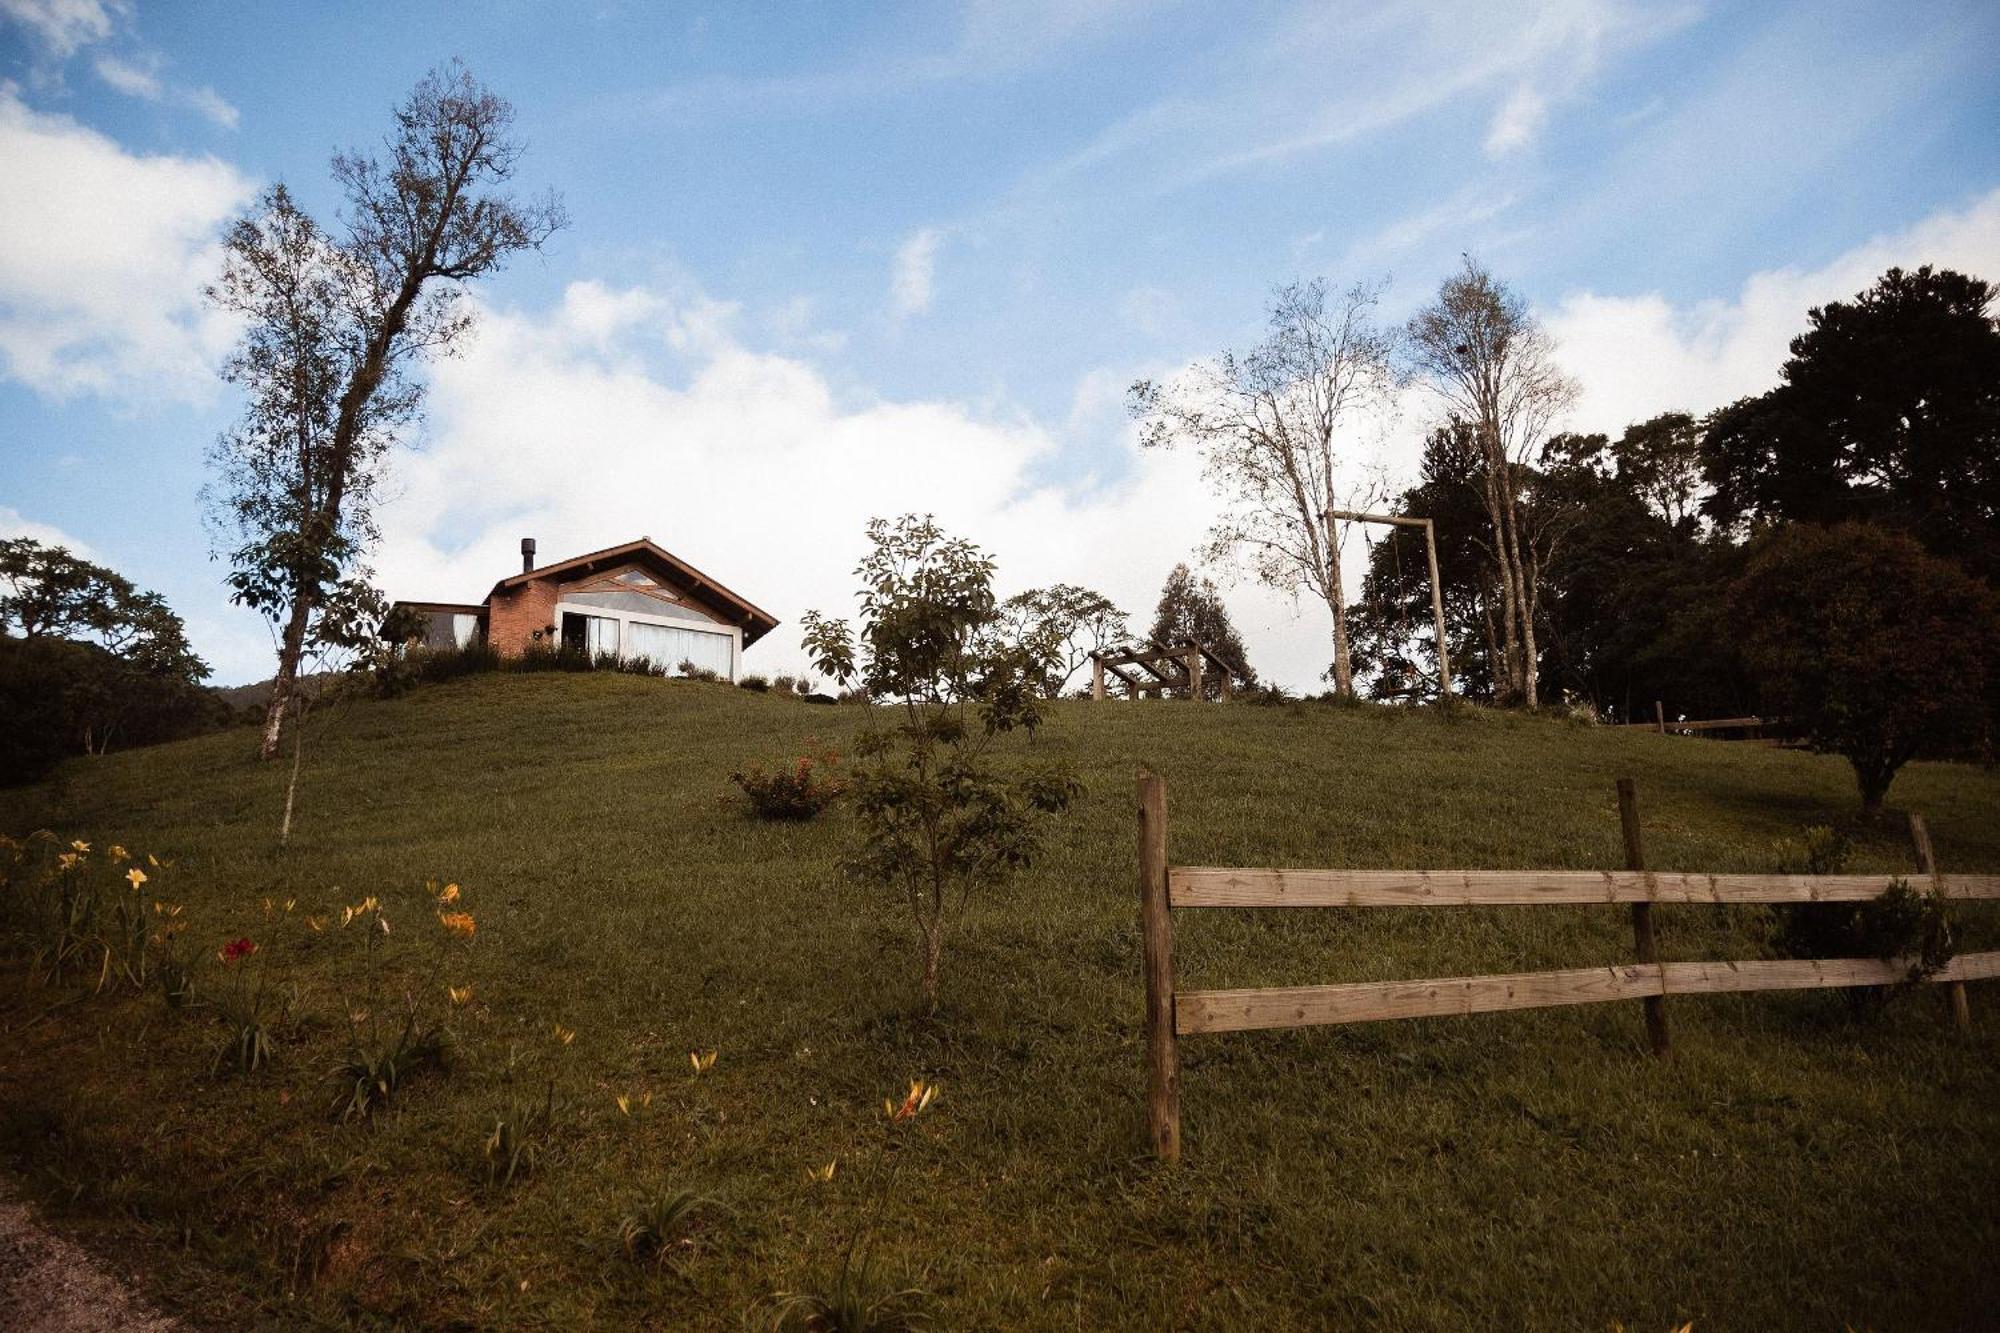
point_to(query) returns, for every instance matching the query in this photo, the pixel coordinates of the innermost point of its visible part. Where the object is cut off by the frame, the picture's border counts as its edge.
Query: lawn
(1792, 1166)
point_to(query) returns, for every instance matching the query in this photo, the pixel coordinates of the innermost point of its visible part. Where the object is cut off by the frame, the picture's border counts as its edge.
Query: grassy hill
(1791, 1167)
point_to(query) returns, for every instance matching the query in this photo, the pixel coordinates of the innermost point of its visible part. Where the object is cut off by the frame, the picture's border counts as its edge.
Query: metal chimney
(527, 555)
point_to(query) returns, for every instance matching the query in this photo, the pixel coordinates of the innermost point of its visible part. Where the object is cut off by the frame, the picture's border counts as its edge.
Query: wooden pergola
(1178, 668)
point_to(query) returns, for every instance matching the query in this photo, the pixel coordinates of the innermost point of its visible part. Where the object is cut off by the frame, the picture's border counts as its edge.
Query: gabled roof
(753, 619)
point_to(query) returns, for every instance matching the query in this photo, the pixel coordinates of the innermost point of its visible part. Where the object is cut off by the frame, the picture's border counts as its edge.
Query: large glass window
(669, 645)
(600, 635)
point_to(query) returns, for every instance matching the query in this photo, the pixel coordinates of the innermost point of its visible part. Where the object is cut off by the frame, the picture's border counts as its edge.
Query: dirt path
(51, 1285)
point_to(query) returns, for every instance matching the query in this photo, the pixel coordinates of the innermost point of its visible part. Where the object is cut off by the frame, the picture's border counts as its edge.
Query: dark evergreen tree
(1191, 611)
(1888, 412)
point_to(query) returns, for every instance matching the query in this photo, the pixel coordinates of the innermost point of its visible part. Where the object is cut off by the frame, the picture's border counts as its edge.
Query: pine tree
(1191, 611)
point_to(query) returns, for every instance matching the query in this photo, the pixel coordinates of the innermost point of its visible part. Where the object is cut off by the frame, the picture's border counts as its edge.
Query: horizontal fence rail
(1172, 1014)
(1218, 886)
(1371, 1001)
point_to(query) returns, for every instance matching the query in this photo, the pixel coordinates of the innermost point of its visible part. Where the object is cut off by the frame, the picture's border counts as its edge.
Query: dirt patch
(52, 1285)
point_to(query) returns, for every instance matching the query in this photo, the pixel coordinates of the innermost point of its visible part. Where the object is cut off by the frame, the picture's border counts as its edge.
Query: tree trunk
(292, 785)
(933, 955)
(1343, 667)
(290, 649)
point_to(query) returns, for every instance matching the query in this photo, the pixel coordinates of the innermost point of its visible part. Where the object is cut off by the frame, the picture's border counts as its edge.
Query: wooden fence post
(1660, 716)
(1643, 941)
(1096, 677)
(1194, 675)
(1163, 1066)
(1920, 836)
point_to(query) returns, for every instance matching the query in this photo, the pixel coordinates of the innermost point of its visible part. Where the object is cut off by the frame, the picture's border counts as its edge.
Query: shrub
(687, 670)
(798, 791)
(1900, 924)
(757, 684)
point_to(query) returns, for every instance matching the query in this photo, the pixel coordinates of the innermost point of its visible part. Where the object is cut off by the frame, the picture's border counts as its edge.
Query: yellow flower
(66, 860)
(152, 860)
(822, 1174)
(458, 994)
(624, 1104)
(703, 1061)
(448, 894)
(920, 1096)
(313, 924)
(460, 924)
(80, 847)
(119, 853)
(290, 903)
(565, 1035)
(135, 877)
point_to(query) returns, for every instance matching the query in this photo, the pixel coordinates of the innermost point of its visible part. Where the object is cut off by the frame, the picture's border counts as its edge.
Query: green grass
(1791, 1167)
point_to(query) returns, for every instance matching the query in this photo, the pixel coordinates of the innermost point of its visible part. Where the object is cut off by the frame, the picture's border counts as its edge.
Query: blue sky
(828, 261)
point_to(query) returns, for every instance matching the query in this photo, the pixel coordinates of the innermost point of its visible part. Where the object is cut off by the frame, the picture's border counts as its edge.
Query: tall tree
(1276, 429)
(1493, 368)
(1191, 611)
(1059, 627)
(335, 327)
(48, 591)
(1888, 411)
(1659, 460)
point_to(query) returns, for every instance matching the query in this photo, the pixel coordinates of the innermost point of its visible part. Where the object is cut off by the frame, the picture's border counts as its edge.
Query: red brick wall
(514, 614)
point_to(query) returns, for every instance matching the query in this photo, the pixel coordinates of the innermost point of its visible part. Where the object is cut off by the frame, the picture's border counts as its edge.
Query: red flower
(237, 949)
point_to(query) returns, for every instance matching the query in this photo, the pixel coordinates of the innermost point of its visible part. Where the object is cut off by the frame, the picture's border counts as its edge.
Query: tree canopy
(1887, 411)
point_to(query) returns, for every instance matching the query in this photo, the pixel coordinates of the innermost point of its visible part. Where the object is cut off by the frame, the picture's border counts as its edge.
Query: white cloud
(13, 523)
(103, 254)
(913, 281)
(64, 26)
(582, 431)
(1517, 122)
(141, 78)
(212, 104)
(1640, 355)
(129, 78)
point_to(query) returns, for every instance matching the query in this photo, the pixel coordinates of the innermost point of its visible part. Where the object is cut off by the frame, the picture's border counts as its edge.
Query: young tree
(1888, 412)
(940, 819)
(1191, 611)
(1060, 627)
(1493, 367)
(335, 326)
(1275, 429)
(1880, 651)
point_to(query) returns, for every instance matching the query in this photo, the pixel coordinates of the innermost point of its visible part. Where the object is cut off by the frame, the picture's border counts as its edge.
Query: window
(600, 635)
(669, 646)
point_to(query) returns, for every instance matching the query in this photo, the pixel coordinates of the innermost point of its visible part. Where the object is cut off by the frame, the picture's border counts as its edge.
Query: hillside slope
(1791, 1166)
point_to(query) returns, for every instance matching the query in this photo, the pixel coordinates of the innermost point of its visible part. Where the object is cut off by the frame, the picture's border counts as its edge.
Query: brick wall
(514, 614)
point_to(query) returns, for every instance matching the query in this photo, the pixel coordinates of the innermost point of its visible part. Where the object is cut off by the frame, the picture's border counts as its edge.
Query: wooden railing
(1172, 1014)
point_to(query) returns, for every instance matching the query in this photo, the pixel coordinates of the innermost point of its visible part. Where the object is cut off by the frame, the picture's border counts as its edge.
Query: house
(633, 600)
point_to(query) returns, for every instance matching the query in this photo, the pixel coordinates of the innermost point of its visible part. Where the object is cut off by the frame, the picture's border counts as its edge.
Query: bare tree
(1494, 368)
(1274, 427)
(335, 326)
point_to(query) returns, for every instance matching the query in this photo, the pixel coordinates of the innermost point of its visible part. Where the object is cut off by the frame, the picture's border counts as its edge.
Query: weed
(666, 1226)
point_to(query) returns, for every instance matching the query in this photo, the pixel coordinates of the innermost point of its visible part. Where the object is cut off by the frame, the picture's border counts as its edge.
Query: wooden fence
(1171, 1014)
(1752, 728)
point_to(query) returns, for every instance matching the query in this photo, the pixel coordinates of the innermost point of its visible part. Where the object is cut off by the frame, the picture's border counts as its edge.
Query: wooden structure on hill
(1185, 667)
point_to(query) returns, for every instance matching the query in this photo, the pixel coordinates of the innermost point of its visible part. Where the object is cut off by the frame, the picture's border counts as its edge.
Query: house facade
(632, 600)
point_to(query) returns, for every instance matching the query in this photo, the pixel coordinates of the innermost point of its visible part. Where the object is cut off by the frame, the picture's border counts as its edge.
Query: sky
(828, 262)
